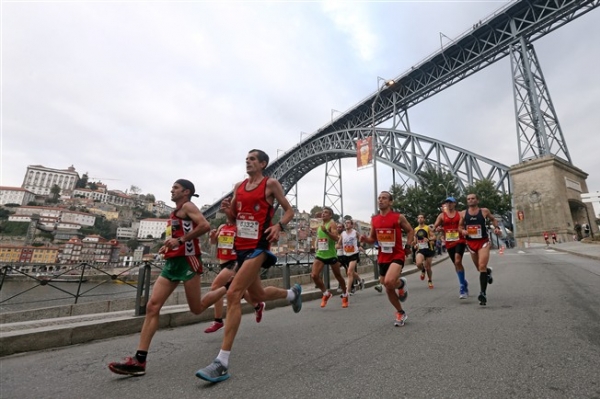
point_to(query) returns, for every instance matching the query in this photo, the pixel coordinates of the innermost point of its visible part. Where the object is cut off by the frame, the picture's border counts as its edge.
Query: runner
(546, 238)
(473, 227)
(327, 236)
(554, 238)
(224, 238)
(252, 208)
(448, 222)
(181, 250)
(349, 241)
(424, 241)
(386, 229)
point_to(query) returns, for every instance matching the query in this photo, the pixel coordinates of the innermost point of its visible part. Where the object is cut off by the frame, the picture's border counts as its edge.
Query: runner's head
(450, 203)
(256, 161)
(183, 188)
(348, 224)
(327, 214)
(421, 219)
(385, 200)
(472, 200)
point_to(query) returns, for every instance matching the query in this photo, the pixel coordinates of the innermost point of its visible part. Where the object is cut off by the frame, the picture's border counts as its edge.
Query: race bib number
(423, 245)
(474, 231)
(387, 240)
(225, 240)
(246, 227)
(452, 235)
(323, 244)
(169, 232)
(349, 248)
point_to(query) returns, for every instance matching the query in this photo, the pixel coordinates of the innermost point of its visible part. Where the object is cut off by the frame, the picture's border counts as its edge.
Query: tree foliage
(489, 197)
(82, 182)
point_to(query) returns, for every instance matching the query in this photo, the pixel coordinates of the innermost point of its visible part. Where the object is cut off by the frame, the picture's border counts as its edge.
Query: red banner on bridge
(364, 152)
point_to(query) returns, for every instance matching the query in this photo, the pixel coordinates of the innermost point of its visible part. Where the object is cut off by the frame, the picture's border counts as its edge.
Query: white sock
(224, 357)
(290, 295)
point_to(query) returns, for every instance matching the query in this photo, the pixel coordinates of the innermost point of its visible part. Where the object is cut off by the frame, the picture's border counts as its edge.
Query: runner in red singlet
(252, 209)
(183, 264)
(386, 229)
(448, 222)
(474, 228)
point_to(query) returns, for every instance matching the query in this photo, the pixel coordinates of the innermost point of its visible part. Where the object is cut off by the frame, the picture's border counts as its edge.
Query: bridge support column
(547, 193)
(332, 195)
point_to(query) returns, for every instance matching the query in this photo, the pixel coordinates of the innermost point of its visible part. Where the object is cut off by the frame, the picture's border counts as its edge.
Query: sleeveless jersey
(225, 242)
(325, 245)
(422, 235)
(475, 225)
(389, 237)
(450, 225)
(350, 242)
(176, 228)
(254, 215)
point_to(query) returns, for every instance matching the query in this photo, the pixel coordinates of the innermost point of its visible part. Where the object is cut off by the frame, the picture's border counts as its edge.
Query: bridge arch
(407, 152)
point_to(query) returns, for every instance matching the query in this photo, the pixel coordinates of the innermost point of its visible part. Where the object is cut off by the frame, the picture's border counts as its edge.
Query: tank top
(475, 225)
(225, 242)
(177, 228)
(325, 245)
(349, 242)
(389, 237)
(422, 235)
(451, 232)
(254, 216)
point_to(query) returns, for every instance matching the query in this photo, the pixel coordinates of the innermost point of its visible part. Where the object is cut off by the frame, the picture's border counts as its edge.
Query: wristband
(180, 241)
(281, 226)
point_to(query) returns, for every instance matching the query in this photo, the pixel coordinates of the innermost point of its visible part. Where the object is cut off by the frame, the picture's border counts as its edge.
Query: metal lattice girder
(489, 41)
(332, 195)
(408, 153)
(538, 129)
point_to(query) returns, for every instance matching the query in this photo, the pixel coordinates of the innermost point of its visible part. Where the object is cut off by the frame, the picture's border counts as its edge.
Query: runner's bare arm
(202, 225)
(407, 229)
(275, 190)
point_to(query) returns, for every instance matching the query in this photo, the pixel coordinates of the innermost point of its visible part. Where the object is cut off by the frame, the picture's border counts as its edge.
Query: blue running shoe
(214, 372)
(297, 301)
(462, 293)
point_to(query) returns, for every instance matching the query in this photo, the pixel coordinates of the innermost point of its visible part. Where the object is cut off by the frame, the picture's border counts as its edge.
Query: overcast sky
(143, 93)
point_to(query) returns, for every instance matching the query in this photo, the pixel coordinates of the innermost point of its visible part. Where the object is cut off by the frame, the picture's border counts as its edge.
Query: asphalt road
(539, 337)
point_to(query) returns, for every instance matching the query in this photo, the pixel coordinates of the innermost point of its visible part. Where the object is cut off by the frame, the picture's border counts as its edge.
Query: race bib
(322, 244)
(169, 232)
(246, 226)
(386, 239)
(452, 235)
(474, 231)
(349, 248)
(226, 240)
(423, 245)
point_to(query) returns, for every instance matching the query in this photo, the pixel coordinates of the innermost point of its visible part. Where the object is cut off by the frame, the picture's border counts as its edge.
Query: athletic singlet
(350, 242)
(450, 225)
(225, 242)
(389, 237)
(325, 245)
(177, 228)
(254, 215)
(475, 225)
(422, 235)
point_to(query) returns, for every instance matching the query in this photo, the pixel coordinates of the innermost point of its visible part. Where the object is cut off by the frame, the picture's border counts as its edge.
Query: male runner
(474, 228)
(326, 254)
(553, 238)
(183, 263)
(546, 238)
(424, 241)
(386, 229)
(252, 208)
(448, 222)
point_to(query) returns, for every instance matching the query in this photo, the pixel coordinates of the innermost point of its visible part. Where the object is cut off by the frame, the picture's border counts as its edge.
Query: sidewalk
(55, 332)
(587, 250)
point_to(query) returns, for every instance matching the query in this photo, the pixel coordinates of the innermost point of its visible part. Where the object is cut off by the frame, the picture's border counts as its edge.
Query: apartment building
(28, 254)
(40, 179)
(152, 227)
(15, 195)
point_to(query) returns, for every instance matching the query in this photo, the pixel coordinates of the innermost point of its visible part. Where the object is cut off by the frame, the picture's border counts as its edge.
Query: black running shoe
(489, 273)
(482, 299)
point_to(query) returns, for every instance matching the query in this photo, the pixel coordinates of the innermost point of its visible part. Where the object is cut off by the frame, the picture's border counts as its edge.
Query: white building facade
(15, 195)
(152, 227)
(40, 179)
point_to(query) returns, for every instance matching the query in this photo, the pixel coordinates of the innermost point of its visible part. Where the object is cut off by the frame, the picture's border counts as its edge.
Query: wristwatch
(281, 226)
(180, 241)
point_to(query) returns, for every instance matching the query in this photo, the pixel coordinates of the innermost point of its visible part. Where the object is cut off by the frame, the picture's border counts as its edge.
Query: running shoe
(482, 299)
(400, 319)
(297, 301)
(214, 372)
(352, 290)
(345, 302)
(215, 326)
(362, 283)
(325, 298)
(462, 293)
(259, 312)
(422, 275)
(403, 290)
(130, 366)
(430, 285)
(466, 288)
(378, 288)
(489, 273)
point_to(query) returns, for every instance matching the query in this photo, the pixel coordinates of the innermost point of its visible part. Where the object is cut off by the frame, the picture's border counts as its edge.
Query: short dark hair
(328, 208)
(389, 194)
(476, 197)
(261, 155)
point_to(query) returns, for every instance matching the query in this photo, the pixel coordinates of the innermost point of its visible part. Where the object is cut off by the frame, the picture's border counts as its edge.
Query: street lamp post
(445, 187)
(387, 83)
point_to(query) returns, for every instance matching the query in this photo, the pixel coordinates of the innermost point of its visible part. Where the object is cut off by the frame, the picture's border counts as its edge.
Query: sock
(461, 278)
(345, 295)
(141, 356)
(219, 320)
(483, 281)
(290, 295)
(223, 357)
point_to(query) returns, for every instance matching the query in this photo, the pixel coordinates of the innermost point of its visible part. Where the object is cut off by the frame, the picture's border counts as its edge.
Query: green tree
(93, 186)
(54, 194)
(133, 244)
(316, 210)
(82, 182)
(150, 198)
